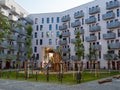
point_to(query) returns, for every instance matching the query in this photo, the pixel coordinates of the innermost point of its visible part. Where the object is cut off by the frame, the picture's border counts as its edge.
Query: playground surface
(24, 85)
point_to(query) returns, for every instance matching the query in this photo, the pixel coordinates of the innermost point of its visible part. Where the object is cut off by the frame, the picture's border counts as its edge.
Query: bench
(104, 81)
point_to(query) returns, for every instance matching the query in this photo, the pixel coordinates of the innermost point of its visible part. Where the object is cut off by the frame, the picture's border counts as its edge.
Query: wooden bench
(116, 76)
(104, 81)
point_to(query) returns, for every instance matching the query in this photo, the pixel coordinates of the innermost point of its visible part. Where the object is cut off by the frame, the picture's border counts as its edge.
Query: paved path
(24, 85)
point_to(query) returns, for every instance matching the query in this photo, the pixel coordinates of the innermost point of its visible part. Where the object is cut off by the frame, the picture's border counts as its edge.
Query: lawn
(53, 78)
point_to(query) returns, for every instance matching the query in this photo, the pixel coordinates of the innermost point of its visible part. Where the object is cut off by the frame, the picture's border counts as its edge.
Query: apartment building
(13, 49)
(97, 21)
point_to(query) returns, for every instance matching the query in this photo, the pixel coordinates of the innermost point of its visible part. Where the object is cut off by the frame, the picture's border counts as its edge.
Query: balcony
(4, 4)
(21, 40)
(12, 37)
(96, 47)
(65, 50)
(10, 56)
(108, 15)
(65, 18)
(78, 14)
(112, 4)
(114, 45)
(29, 20)
(76, 23)
(91, 38)
(64, 58)
(65, 34)
(23, 49)
(94, 10)
(3, 56)
(109, 36)
(14, 47)
(76, 48)
(113, 24)
(81, 31)
(63, 42)
(63, 27)
(74, 58)
(94, 28)
(91, 19)
(110, 56)
(73, 40)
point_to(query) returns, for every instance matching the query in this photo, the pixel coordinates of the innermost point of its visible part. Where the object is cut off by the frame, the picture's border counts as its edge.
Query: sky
(48, 6)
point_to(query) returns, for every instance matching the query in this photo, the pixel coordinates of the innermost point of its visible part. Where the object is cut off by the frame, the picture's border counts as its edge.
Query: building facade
(13, 49)
(98, 23)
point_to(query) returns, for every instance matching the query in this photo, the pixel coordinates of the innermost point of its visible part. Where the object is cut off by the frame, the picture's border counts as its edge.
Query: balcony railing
(73, 40)
(114, 24)
(64, 58)
(109, 36)
(96, 47)
(114, 45)
(110, 56)
(91, 38)
(5, 45)
(78, 14)
(65, 34)
(65, 50)
(75, 58)
(94, 28)
(109, 15)
(63, 42)
(75, 24)
(90, 20)
(94, 10)
(112, 4)
(65, 18)
(14, 47)
(29, 20)
(81, 31)
(63, 27)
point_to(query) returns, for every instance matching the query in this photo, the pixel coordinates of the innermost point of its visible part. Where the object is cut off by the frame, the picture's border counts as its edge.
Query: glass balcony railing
(109, 15)
(90, 20)
(94, 28)
(114, 24)
(114, 45)
(81, 31)
(65, 18)
(94, 10)
(63, 42)
(63, 27)
(73, 40)
(29, 20)
(65, 34)
(65, 50)
(75, 24)
(64, 58)
(75, 58)
(112, 4)
(109, 36)
(110, 56)
(78, 14)
(91, 38)
(96, 47)
(4, 45)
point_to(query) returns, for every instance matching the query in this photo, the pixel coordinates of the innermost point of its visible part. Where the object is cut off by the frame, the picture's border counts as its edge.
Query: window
(50, 27)
(56, 26)
(42, 34)
(99, 35)
(41, 27)
(118, 12)
(41, 41)
(98, 17)
(118, 32)
(35, 49)
(35, 34)
(48, 21)
(36, 20)
(52, 20)
(47, 34)
(36, 41)
(42, 20)
(99, 54)
(82, 21)
(37, 56)
(58, 19)
(50, 41)
(57, 34)
(37, 27)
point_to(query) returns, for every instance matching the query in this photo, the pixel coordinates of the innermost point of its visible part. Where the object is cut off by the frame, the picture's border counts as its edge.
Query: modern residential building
(97, 21)
(13, 48)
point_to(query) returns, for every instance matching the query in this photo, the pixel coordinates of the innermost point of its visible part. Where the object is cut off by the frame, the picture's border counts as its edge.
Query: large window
(36, 20)
(50, 27)
(48, 21)
(57, 34)
(56, 26)
(41, 27)
(118, 12)
(50, 41)
(58, 19)
(36, 41)
(35, 34)
(41, 41)
(42, 20)
(35, 49)
(37, 27)
(52, 20)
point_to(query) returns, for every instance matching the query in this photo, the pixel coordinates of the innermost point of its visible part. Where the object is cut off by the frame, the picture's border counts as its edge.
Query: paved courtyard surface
(24, 85)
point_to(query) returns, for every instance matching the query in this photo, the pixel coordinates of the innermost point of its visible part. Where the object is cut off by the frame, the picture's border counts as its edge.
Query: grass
(53, 78)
